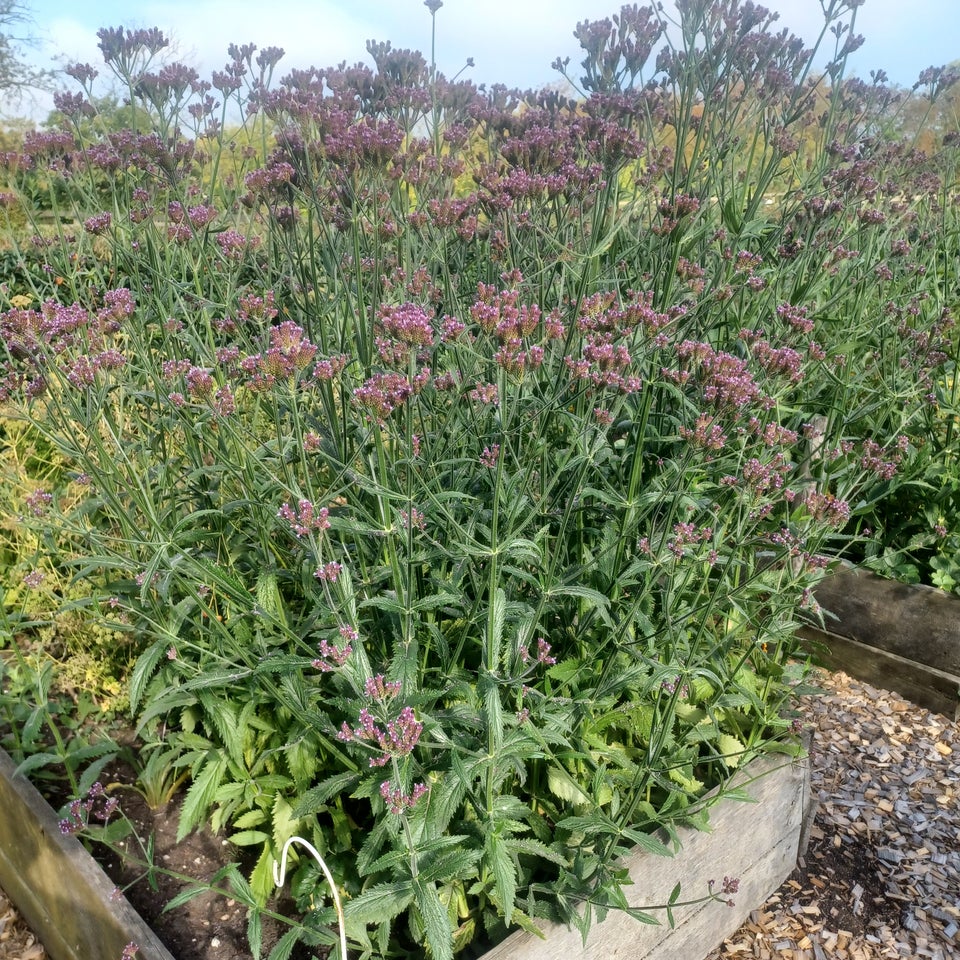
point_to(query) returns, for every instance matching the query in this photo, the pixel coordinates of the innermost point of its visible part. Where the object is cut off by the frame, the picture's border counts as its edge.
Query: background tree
(17, 74)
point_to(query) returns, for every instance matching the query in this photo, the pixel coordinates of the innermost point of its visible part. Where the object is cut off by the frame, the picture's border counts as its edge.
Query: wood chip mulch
(16, 940)
(881, 874)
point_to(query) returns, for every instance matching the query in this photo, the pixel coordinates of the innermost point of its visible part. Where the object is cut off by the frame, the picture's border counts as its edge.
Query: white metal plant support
(280, 872)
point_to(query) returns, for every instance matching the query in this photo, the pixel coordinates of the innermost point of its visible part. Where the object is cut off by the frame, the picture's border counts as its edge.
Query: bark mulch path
(881, 876)
(16, 940)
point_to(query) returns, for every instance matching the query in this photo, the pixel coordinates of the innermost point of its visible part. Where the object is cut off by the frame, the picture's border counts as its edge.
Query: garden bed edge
(75, 911)
(67, 900)
(757, 843)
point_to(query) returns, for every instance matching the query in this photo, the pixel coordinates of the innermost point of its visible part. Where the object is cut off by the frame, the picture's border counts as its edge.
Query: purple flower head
(706, 434)
(73, 104)
(199, 383)
(224, 403)
(201, 215)
(413, 519)
(120, 47)
(234, 245)
(380, 689)
(670, 686)
(228, 80)
(402, 734)
(543, 653)
(242, 53)
(407, 323)
(451, 328)
(873, 459)
(397, 801)
(383, 393)
(328, 572)
(269, 57)
(332, 656)
(826, 508)
(486, 393)
(83, 73)
(38, 502)
(490, 456)
(118, 305)
(305, 517)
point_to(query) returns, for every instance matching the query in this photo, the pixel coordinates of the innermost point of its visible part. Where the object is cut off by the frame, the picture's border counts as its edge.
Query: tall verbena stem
(457, 463)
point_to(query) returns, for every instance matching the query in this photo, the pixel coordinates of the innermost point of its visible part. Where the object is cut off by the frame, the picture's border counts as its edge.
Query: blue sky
(511, 41)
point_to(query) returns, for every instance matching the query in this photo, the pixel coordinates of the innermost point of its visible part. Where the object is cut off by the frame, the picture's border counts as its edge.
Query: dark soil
(841, 878)
(207, 927)
(838, 875)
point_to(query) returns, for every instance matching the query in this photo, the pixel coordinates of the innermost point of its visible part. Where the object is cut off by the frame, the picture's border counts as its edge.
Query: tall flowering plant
(459, 494)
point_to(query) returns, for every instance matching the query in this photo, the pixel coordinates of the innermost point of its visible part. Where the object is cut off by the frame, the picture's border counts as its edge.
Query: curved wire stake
(280, 872)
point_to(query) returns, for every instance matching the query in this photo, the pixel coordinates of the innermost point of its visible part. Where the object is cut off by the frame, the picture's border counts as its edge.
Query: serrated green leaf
(319, 796)
(255, 933)
(389, 604)
(731, 749)
(37, 761)
(268, 596)
(262, 886)
(596, 824)
(200, 795)
(143, 670)
(436, 924)
(537, 849)
(565, 670)
(251, 818)
(283, 948)
(497, 620)
(525, 922)
(248, 838)
(435, 600)
(498, 860)
(185, 896)
(301, 758)
(285, 824)
(648, 842)
(451, 865)
(563, 786)
(689, 783)
(223, 716)
(385, 900)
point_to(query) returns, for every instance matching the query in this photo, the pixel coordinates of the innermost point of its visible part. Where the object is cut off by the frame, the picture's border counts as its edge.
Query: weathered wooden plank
(917, 623)
(62, 893)
(70, 903)
(756, 843)
(927, 686)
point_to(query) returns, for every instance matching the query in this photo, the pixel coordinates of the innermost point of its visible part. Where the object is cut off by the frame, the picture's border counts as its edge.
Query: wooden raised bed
(894, 635)
(61, 892)
(71, 906)
(755, 842)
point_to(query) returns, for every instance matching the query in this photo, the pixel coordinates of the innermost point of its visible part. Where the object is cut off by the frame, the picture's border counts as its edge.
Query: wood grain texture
(756, 842)
(61, 892)
(924, 685)
(917, 623)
